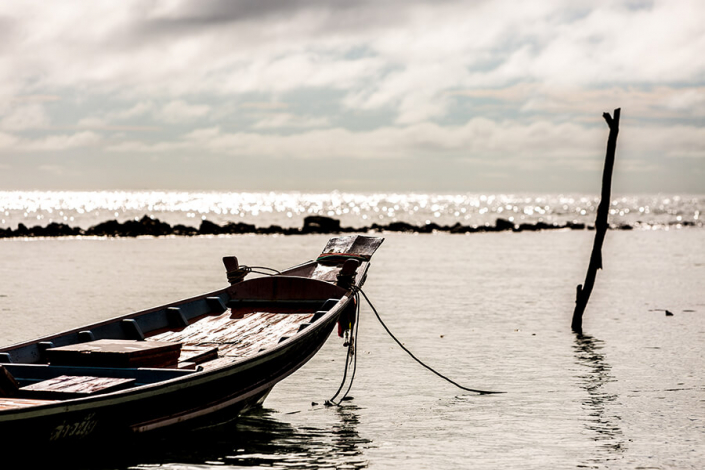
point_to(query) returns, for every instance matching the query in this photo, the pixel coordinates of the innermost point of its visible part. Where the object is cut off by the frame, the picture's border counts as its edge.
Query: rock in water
(320, 224)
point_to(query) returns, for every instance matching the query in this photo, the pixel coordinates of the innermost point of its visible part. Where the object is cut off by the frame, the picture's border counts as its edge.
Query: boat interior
(195, 335)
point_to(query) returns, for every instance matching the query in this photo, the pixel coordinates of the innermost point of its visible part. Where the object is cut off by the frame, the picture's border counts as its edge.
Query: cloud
(23, 117)
(7, 140)
(64, 142)
(689, 100)
(175, 111)
(420, 50)
(135, 146)
(35, 99)
(97, 123)
(497, 143)
(55, 170)
(50, 143)
(287, 120)
(311, 79)
(672, 142)
(92, 122)
(180, 111)
(139, 109)
(264, 105)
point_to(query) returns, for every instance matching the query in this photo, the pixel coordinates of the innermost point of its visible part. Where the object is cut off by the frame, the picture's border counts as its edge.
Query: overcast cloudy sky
(357, 95)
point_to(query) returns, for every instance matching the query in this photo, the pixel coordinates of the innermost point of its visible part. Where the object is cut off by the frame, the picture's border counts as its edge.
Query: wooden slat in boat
(198, 354)
(116, 353)
(72, 386)
(238, 337)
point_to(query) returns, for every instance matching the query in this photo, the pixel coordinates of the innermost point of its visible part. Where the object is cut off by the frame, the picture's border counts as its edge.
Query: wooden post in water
(601, 225)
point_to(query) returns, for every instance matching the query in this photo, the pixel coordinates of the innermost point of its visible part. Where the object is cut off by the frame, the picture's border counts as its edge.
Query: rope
(335, 258)
(481, 392)
(353, 345)
(238, 275)
(271, 273)
(357, 328)
(242, 271)
(351, 357)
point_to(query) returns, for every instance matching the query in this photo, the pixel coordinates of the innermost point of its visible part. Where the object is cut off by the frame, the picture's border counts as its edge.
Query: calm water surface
(490, 310)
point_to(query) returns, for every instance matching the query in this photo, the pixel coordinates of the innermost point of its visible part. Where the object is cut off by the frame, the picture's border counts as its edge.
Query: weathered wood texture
(236, 337)
(73, 386)
(198, 354)
(356, 244)
(116, 353)
(601, 225)
(352, 245)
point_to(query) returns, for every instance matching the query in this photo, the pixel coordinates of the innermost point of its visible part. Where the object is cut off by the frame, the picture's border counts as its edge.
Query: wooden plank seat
(27, 374)
(73, 386)
(198, 354)
(116, 353)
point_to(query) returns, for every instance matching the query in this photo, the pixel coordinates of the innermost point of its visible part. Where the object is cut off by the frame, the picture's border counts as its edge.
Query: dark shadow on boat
(602, 422)
(257, 439)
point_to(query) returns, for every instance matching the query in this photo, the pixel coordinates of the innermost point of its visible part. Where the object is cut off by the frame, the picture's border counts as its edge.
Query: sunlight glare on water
(84, 209)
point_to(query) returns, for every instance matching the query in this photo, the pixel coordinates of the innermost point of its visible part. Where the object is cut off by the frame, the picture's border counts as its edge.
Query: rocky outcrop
(148, 226)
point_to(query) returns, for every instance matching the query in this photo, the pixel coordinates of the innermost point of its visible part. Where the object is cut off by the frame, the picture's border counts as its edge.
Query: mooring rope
(481, 392)
(242, 271)
(350, 358)
(271, 273)
(359, 291)
(337, 258)
(353, 346)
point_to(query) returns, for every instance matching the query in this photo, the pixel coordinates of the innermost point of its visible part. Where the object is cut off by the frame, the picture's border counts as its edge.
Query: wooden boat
(196, 361)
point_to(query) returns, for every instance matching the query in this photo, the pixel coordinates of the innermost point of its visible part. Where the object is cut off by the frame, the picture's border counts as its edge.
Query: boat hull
(201, 399)
(191, 363)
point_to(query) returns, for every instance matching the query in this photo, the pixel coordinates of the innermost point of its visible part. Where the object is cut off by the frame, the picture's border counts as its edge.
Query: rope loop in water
(359, 291)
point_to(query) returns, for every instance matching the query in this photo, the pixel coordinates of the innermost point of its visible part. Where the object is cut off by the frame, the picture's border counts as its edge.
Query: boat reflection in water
(603, 422)
(257, 439)
(264, 441)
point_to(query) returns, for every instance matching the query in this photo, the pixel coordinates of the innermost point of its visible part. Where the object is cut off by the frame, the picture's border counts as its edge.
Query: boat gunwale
(176, 383)
(115, 319)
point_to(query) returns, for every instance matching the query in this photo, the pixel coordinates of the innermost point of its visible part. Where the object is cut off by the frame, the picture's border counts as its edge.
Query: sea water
(488, 310)
(86, 208)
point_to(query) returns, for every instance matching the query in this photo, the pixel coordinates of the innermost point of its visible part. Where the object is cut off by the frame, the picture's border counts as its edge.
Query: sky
(310, 95)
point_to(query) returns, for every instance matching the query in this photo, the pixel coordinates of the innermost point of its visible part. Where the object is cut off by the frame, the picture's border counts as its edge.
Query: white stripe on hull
(150, 426)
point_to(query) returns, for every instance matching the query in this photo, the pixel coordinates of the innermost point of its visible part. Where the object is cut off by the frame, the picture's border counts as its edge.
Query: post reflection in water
(602, 421)
(259, 439)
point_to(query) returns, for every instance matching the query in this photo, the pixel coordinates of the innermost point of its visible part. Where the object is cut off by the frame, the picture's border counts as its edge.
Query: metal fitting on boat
(235, 272)
(346, 277)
